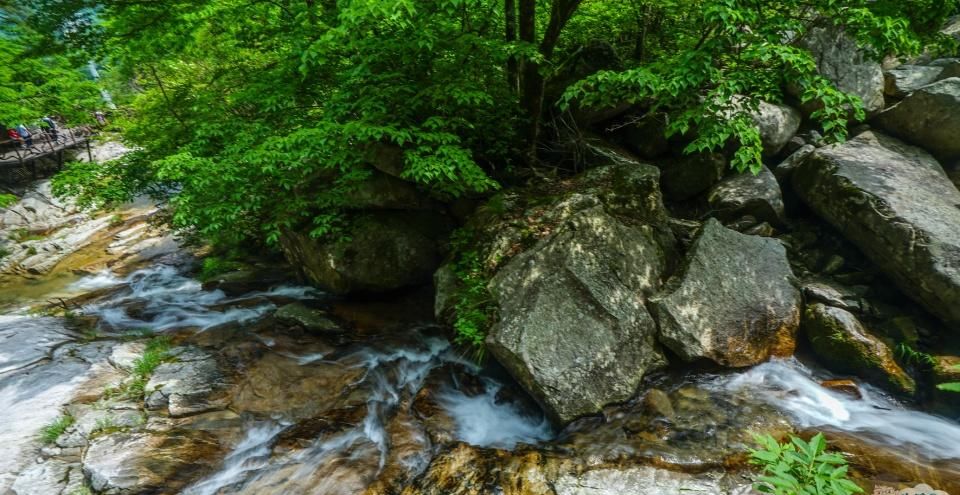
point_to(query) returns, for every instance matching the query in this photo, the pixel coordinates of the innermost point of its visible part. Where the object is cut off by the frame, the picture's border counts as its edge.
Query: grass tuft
(51, 432)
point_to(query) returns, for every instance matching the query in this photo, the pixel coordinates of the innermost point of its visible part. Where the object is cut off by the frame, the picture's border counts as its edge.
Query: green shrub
(214, 266)
(801, 468)
(51, 432)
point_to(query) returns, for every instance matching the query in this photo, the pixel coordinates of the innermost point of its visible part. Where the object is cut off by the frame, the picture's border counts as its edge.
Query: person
(50, 128)
(14, 136)
(25, 135)
(101, 119)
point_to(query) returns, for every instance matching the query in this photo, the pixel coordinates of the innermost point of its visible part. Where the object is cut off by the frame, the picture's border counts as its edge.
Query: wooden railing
(44, 144)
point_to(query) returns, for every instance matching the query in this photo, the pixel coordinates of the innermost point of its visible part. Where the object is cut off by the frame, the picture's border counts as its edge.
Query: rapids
(379, 406)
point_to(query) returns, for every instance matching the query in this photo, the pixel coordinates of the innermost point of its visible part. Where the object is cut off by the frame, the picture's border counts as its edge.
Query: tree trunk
(513, 69)
(532, 84)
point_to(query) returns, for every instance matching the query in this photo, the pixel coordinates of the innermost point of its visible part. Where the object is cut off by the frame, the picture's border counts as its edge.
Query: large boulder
(570, 265)
(733, 301)
(573, 328)
(757, 195)
(897, 205)
(905, 79)
(929, 117)
(840, 60)
(382, 251)
(844, 345)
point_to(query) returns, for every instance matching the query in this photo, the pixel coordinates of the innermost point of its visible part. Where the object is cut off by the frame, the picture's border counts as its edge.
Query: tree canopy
(254, 117)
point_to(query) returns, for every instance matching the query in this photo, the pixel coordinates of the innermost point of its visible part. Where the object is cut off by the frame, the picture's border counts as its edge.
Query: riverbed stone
(50, 476)
(573, 328)
(843, 344)
(311, 319)
(757, 195)
(929, 117)
(648, 480)
(841, 60)
(386, 250)
(186, 384)
(146, 462)
(897, 205)
(733, 301)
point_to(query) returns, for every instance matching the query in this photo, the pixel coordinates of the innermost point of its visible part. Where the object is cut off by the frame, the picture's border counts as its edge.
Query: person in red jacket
(14, 136)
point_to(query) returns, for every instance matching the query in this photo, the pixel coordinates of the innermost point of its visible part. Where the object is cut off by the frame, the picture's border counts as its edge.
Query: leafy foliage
(801, 468)
(474, 306)
(35, 84)
(742, 52)
(253, 118)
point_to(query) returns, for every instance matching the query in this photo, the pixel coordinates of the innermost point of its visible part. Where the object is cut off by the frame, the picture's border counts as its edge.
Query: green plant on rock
(914, 356)
(156, 352)
(801, 468)
(474, 308)
(214, 266)
(51, 432)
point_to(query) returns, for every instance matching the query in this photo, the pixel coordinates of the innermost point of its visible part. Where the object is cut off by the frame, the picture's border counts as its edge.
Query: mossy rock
(844, 345)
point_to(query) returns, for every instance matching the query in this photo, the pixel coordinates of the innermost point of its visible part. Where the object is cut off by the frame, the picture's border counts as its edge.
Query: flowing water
(336, 414)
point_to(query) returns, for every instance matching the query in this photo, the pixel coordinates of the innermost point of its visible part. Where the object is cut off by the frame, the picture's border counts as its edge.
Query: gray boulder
(733, 300)
(905, 79)
(897, 205)
(569, 274)
(573, 328)
(748, 194)
(929, 118)
(950, 67)
(645, 136)
(385, 251)
(777, 123)
(840, 60)
(785, 169)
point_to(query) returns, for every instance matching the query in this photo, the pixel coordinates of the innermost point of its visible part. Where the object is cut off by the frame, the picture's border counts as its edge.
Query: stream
(247, 403)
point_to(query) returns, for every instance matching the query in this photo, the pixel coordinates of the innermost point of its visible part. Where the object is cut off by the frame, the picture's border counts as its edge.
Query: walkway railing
(44, 144)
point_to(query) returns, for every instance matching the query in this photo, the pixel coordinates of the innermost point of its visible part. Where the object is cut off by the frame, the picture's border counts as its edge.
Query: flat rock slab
(897, 205)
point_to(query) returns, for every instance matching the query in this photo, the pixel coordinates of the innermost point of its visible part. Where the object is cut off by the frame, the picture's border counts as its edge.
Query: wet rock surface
(843, 343)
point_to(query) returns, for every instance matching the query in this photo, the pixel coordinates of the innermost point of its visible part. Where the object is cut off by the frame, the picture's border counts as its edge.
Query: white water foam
(171, 300)
(251, 454)
(390, 376)
(483, 421)
(793, 388)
